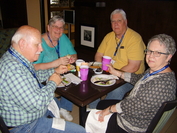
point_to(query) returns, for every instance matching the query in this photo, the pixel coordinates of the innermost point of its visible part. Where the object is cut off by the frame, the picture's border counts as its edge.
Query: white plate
(66, 81)
(95, 65)
(103, 77)
(97, 72)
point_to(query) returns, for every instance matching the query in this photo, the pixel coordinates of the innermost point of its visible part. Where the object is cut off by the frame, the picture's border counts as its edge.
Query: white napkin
(113, 76)
(74, 79)
(58, 123)
(92, 124)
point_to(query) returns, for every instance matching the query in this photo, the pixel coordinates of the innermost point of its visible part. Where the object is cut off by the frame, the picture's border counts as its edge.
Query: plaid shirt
(21, 99)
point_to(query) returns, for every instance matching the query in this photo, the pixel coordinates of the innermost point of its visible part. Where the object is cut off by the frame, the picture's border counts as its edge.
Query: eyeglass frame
(56, 27)
(157, 53)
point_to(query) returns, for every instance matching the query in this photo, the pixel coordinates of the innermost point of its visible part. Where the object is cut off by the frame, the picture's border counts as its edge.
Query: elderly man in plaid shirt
(25, 103)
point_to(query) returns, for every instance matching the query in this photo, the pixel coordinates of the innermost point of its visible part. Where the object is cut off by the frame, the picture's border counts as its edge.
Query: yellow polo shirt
(132, 47)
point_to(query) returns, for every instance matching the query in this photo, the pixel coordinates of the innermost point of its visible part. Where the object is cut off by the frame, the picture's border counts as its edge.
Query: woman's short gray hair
(122, 12)
(56, 18)
(166, 41)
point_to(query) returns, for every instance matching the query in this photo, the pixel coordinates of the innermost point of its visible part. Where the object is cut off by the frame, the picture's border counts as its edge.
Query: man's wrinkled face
(118, 24)
(34, 49)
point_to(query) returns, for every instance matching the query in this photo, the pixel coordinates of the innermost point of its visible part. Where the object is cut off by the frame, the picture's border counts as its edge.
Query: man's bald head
(27, 41)
(25, 32)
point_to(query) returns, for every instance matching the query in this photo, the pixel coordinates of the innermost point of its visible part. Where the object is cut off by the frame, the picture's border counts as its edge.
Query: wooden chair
(162, 116)
(3, 127)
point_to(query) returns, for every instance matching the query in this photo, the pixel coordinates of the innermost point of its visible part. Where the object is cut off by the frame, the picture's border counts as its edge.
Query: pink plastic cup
(105, 61)
(84, 72)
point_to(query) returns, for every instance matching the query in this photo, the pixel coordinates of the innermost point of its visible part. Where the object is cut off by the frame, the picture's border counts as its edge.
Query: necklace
(155, 72)
(56, 47)
(118, 44)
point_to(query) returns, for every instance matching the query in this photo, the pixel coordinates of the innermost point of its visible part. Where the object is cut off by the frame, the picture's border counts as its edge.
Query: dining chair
(162, 116)
(3, 127)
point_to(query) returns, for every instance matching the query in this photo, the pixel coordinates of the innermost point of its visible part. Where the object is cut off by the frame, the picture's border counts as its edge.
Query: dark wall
(14, 13)
(147, 17)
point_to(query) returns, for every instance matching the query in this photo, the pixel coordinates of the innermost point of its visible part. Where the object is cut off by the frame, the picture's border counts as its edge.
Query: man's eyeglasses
(155, 53)
(57, 28)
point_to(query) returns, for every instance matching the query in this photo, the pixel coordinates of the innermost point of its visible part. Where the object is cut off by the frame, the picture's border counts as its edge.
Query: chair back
(163, 114)
(3, 127)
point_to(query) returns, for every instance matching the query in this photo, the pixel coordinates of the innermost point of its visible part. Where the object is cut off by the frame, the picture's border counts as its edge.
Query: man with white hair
(126, 48)
(25, 104)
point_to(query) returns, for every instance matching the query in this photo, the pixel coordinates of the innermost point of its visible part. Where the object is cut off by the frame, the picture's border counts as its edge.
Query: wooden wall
(147, 17)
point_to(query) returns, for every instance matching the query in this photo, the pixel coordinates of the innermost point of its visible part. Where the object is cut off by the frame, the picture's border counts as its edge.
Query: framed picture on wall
(88, 36)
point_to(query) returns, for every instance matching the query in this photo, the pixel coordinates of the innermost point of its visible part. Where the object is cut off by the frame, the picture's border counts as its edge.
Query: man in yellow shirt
(125, 47)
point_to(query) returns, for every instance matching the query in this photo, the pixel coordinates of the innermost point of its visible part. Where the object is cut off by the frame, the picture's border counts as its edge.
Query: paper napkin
(74, 79)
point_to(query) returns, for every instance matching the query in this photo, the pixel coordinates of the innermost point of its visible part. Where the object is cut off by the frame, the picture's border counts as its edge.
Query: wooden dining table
(86, 92)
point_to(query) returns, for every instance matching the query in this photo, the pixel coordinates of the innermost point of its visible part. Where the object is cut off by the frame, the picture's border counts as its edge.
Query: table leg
(82, 114)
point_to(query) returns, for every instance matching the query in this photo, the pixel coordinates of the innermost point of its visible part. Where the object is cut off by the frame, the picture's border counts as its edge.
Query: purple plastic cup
(105, 61)
(84, 72)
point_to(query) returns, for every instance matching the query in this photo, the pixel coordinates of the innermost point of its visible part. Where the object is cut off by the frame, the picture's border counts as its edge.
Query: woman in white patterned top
(157, 85)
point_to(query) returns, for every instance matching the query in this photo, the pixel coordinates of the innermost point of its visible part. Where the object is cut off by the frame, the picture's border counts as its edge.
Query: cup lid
(107, 57)
(84, 66)
(80, 60)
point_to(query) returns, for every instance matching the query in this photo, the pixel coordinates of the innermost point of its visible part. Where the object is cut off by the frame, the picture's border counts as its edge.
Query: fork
(104, 81)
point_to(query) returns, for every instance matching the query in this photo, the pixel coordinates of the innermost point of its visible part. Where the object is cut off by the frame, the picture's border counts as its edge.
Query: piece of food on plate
(69, 67)
(94, 67)
(102, 79)
(66, 81)
(104, 83)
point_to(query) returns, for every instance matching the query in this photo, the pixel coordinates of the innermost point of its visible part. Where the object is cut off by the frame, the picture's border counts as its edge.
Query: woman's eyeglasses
(57, 28)
(155, 53)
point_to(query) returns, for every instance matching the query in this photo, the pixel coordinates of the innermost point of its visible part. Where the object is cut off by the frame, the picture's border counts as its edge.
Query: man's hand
(61, 69)
(111, 70)
(63, 60)
(56, 78)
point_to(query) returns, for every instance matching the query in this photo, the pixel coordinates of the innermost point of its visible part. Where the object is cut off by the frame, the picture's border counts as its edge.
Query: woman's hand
(102, 114)
(115, 72)
(111, 70)
(63, 60)
(61, 69)
(72, 59)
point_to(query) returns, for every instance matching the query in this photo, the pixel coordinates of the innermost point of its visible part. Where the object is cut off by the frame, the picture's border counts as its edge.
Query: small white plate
(97, 72)
(66, 81)
(71, 67)
(103, 77)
